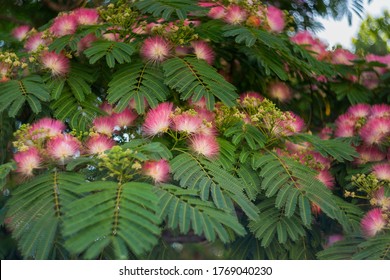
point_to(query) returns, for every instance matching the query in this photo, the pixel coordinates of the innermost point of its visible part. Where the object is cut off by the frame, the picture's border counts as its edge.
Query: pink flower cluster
(305, 154)
(196, 125)
(287, 124)
(67, 24)
(113, 122)
(314, 45)
(373, 222)
(270, 18)
(158, 49)
(372, 124)
(45, 140)
(280, 91)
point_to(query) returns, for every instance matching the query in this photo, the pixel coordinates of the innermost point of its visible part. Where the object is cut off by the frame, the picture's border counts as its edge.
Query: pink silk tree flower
(217, 12)
(20, 32)
(369, 154)
(125, 118)
(203, 51)
(359, 110)
(46, 127)
(27, 161)
(325, 177)
(64, 25)
(375, 131)
(86, 16)
(373, 222)
(342, 56)
(275, 19)
(205, 145)
(34, 42)
(99, 143)
(57, 63)
(157, 170)
(63, 147)
(155, 49)
(186, 122)
(380, 111)
(104, 125)
(382, 171)
(235, 15)
(158, 119)
(280, 91)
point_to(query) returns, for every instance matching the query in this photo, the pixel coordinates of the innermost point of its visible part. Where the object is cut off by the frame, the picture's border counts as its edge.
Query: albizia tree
(133, 127)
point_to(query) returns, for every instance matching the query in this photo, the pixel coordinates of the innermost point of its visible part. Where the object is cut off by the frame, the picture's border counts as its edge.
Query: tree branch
(190, 238)
(13, 20)
(60, 7)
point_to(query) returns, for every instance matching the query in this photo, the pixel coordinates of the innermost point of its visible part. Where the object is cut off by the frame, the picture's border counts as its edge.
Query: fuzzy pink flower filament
(155, 49)
(86, 16)
(158, 119)
(375, 131)
(57, 63)
(217, 12)
(125, 118)
(20, 32)
(104, 125)
(46, 127)
(98, 144)
(325, 177)
(27, 161)
(275, 19)
(205, 145)
(64, 25)
(187, 122)
(34, 42)
(369, 154)
(373, 222)
(235, 15)
(63, 147)
(359, 110)
(203, 51)
(280, 91)
(341, 56)
(382, 171)
(157, 170)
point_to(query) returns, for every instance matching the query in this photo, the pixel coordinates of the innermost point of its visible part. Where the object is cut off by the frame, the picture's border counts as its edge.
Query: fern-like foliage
(342, 250)
(353, 92)
(147, 150)
(112, 218)
(195, 78)
(113, 52)
(15, 93)
(71, 41)
(295, 188)
(36, 209)
(79, 114)
(337, 148)
(137, 81)
(270, 52)
(79, 81)
(375, 248)
(165, 8)
(273, 222)
(185, 210)
(6, 169)
(72, 97)
(213, 182)
(242, 133)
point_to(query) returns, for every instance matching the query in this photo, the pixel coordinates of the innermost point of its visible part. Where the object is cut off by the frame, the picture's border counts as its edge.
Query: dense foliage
(130, 130)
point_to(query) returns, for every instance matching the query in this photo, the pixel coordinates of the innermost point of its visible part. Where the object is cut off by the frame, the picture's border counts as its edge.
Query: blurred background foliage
(305, 12)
